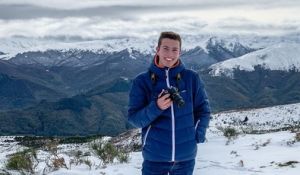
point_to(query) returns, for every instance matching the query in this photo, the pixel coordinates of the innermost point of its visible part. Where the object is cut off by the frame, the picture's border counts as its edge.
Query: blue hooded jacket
(171, 134)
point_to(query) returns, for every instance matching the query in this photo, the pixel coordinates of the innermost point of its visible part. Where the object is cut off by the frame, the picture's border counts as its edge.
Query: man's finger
(166, 96)
(162, 91)
(168, 102)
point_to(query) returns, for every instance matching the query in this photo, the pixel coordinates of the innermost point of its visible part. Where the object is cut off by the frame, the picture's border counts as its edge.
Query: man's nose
(169, 53)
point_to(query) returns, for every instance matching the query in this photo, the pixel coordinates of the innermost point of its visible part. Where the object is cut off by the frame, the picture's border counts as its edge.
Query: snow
(247, 154)
(214, 157)
(284, 56)
(14, 45)
(262, 119)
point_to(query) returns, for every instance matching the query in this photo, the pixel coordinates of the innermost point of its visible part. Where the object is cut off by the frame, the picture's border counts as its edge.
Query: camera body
(175, 96)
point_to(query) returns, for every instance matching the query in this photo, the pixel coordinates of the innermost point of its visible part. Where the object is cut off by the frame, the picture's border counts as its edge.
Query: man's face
(168, 52)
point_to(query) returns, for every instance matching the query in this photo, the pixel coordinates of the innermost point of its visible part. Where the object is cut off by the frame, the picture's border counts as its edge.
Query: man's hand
(163, 101)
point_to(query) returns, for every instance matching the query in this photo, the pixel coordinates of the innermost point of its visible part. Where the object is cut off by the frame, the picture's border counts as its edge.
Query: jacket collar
(161, 71)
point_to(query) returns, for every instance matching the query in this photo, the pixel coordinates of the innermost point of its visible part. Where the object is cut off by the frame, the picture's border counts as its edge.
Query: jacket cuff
(200, 134)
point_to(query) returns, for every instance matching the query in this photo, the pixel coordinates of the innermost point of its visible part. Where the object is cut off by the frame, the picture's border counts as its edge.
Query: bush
(4, 173)
(123, 157)
(297, 137)
(58, 162)
(88, 163)
(230, 132)
(22, 161)
(33, 141)
(78, 139)
(107, 152)
(52, 146)
(136, 147)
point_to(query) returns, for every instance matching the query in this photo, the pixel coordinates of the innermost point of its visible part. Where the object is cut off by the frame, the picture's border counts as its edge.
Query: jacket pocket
(146, 135)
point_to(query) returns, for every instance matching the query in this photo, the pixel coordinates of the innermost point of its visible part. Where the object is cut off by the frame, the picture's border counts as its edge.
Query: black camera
(175, 96)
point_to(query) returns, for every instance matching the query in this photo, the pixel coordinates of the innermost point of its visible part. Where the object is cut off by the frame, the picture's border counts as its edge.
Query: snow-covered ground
(239, 157)
(271, 153)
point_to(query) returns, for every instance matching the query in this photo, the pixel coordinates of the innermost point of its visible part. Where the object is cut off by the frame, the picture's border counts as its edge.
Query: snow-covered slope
(260, 154)
(262, 119)
(285, 56)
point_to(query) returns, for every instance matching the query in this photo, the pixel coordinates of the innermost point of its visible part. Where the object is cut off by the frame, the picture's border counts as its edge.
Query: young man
(172, 125)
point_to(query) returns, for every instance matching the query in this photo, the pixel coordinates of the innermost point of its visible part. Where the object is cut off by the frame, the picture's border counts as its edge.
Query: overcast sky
(90, 19)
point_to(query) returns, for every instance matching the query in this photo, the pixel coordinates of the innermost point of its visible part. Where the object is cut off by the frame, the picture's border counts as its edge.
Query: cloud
(97, 27)
(140, 18)
(28, 9)
(8, 12)
(75, 4)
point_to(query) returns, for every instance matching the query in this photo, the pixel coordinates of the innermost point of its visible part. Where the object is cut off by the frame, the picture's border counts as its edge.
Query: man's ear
(157, 49)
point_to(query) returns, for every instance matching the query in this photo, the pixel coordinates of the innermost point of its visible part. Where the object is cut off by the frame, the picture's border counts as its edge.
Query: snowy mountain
(10, 47)
(78, 68)
(284, 57)
(246, 152)
(221, 49)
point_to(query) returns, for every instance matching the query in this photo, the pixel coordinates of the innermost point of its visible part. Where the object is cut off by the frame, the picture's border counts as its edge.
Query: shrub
(297, 137)
(230, 132)
(22, 161)
(78, 154)
(88, 163)
(33, 141)
(87, 154)
(78, 139)
(107, 152)
(4, 172)
(58, 162)
(293, 141)
(123, 157)
(136, 147)
(52, 146)
(264, 144)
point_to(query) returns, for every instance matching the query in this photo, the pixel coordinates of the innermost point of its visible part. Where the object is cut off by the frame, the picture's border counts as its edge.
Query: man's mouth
(169, 59)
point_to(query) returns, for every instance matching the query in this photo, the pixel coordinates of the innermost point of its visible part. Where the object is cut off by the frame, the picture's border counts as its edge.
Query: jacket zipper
(173, 119)
(146, 135)
(197, 124)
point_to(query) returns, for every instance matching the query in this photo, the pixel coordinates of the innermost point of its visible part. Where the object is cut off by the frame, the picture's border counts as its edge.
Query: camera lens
(175, 96)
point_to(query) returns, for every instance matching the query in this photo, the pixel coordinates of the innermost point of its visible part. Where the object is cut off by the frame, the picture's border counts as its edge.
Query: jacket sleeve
(141, 112)
(201, 110)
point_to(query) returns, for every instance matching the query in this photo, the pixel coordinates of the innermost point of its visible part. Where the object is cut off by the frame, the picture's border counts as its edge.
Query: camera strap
(178, 78)
(154, 78)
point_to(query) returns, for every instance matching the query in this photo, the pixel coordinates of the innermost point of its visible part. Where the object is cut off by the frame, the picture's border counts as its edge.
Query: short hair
(169, 35)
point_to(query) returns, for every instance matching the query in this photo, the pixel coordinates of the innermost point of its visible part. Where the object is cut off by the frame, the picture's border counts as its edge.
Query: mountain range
(52, 88)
